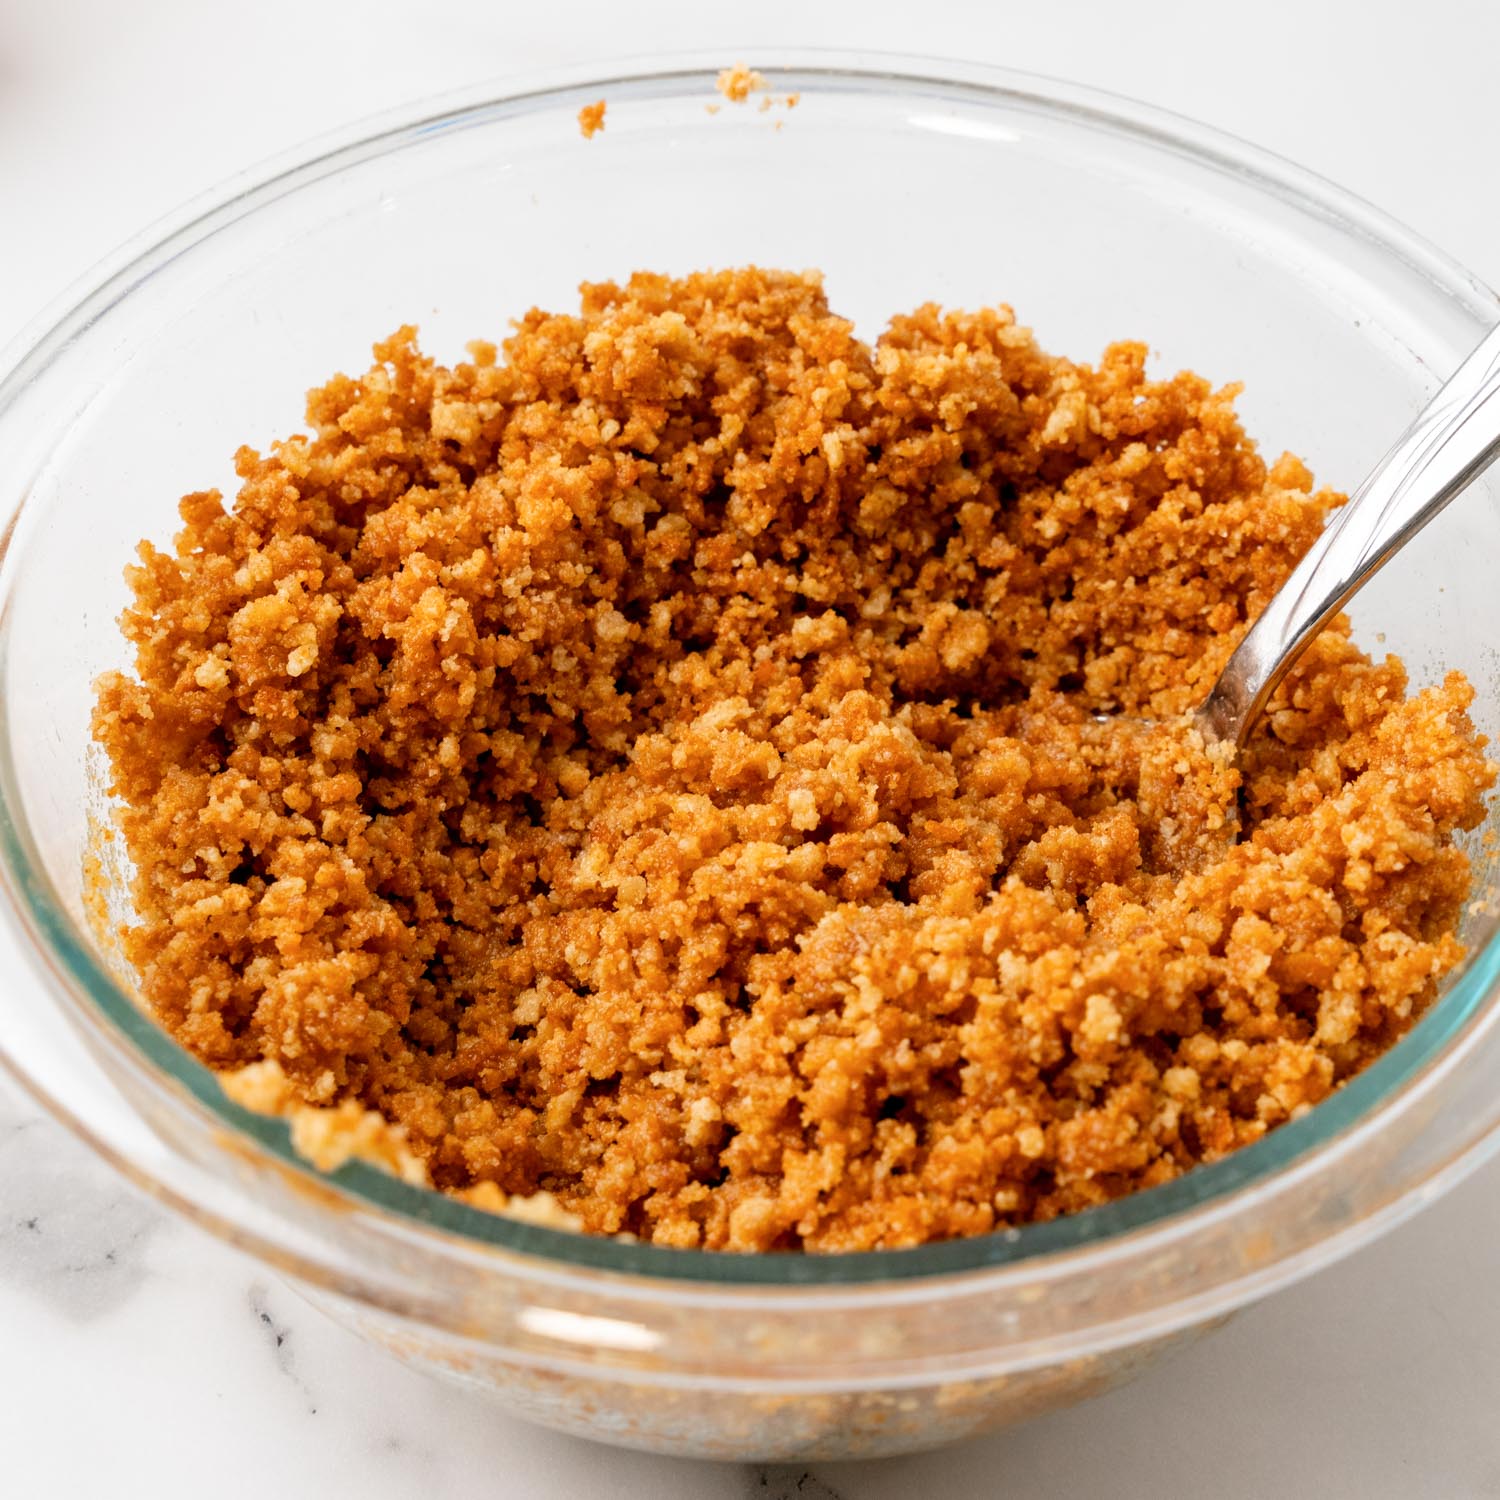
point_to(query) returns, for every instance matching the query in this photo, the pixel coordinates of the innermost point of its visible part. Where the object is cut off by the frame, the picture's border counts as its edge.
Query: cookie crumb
(739, 82)
(694, 774)
(591, 119)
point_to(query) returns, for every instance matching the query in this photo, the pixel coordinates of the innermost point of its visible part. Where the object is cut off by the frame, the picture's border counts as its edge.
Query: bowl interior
(1096, 221)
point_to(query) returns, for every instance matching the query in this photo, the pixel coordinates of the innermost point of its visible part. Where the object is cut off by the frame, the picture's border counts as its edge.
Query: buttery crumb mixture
(729, 782)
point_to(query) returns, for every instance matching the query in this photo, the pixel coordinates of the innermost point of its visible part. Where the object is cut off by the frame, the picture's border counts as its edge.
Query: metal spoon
(1456, 437)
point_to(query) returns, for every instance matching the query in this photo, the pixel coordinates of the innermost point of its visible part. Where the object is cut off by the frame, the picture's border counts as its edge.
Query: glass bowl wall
(905, 181)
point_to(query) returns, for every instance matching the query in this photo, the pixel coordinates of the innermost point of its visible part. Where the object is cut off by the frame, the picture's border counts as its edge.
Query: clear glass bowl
(906, 181)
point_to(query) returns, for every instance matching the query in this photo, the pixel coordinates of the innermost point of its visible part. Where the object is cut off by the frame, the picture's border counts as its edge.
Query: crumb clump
(329, 1136)
(591, 119)
(739, 82)
(734, 779)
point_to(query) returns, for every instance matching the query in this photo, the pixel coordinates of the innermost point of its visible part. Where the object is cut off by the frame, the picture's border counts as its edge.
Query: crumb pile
(658, 767)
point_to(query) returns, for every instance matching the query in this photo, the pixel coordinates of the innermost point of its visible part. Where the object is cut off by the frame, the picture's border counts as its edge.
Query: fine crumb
(691, 773)
(591, 119)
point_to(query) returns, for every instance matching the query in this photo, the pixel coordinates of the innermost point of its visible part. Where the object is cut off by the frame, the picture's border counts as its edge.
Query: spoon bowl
(1452, 441)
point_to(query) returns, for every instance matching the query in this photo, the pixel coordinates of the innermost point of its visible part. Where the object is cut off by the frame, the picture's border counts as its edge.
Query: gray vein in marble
(278, 1335)
(789, 1482)
(71, 1231)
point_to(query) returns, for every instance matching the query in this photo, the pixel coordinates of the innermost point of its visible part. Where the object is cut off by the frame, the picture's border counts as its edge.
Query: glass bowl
(906, 181)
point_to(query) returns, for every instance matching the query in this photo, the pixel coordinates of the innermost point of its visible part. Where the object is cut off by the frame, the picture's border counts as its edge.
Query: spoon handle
(1452, 441)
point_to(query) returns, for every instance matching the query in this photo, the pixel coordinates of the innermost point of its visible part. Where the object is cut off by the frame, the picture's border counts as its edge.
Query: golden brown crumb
(534, 1208)
(658, 767)
(739, 82)
(328, 1136)
(591, 119)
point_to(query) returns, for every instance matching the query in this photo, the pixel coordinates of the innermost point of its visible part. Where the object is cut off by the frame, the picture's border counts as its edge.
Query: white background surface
(139, 1357)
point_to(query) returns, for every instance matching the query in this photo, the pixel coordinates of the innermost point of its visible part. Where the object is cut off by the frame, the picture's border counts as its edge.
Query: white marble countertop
(139, 1356)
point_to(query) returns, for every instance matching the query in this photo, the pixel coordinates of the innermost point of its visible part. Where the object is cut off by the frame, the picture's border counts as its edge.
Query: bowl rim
(68, 961)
